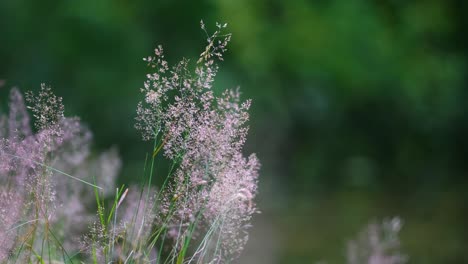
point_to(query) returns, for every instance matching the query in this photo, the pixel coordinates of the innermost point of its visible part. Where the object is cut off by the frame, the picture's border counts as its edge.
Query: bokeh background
(360, 108)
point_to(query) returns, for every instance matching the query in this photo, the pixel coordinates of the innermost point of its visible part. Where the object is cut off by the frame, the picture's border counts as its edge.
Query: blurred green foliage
(359, 106)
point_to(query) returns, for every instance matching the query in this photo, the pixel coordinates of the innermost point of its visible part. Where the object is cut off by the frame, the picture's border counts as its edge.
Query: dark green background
(359, 107)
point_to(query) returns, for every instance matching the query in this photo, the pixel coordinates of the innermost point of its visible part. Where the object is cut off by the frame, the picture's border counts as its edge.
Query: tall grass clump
(43, 208)
(60, 204)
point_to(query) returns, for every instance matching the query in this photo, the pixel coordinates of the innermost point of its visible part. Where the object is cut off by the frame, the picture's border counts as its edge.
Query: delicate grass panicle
(208, 200)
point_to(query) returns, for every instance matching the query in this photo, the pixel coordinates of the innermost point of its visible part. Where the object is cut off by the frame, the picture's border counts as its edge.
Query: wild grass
(60, 203)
